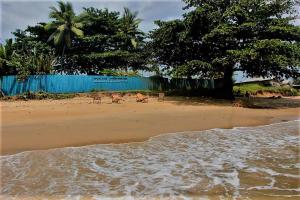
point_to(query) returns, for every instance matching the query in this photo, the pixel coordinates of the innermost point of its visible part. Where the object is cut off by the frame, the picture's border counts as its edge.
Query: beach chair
(96, 98)
(116, 98)
(161, 96)
(141, 98)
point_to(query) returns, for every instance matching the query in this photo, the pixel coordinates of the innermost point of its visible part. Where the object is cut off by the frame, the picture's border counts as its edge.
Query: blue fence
(10, 85)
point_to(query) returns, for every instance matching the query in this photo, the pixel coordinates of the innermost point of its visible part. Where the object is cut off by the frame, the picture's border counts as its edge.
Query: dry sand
(43, 124)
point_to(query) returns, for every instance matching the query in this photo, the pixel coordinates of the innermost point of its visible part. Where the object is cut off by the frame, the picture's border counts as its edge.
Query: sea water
(240, 163)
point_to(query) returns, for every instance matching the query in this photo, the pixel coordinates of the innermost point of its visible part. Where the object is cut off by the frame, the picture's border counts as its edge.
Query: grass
(38, 96)
(44, 95)
(238, 90)
(145, 92)
(255, 88)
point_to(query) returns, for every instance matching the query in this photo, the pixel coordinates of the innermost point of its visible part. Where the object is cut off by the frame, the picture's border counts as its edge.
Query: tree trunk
(228, 83)
(62, 58)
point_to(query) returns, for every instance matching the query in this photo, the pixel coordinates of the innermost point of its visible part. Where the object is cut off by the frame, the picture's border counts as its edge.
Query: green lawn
(254, 88)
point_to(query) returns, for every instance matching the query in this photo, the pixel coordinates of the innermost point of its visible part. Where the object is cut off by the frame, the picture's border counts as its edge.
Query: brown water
(241, 163)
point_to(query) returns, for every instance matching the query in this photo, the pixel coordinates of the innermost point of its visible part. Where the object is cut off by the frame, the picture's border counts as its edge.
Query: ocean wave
(220, 163)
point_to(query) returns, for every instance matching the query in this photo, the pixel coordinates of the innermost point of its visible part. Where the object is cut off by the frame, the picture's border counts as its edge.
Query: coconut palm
(6, 50)
(129, 26)
(65, 26)
(6, 53)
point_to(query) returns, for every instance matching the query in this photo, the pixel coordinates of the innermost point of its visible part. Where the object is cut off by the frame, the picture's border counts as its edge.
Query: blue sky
(19, 14)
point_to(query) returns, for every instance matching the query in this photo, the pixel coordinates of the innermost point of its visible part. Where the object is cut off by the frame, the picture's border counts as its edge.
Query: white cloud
(20, 14)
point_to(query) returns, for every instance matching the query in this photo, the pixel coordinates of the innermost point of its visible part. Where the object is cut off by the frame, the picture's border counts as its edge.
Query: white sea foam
(238, 162)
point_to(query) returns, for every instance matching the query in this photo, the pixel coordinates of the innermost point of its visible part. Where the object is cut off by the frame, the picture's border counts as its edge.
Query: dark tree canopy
(213, 39)
(105, 45)
(88, 43)
(221, 36)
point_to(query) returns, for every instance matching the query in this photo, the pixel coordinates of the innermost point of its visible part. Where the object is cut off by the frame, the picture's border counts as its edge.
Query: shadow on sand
(255, 102)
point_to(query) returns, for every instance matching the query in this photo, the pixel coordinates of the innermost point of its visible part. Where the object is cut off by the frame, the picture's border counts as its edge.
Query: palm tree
(129, 26)
(6, 50)
(6, 53)
(65, 26)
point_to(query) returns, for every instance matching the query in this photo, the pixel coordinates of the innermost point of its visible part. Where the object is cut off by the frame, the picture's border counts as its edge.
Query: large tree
(110, 42)
(218, 37)
(6, 53)
(129, 28)
(26, 54)
(65, 26)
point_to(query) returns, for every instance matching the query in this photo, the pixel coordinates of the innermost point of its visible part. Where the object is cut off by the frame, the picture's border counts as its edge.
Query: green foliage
(129, 28)
(296, 81)
(6, 53)
(109, 72)
(108, 43)
(99, 21)
(213, 39)
(168, 45)
(31, 54)
(194, 67)
(43, 95)
(65, 25)
(254, 36)
(130, 92)
(38, 96)
(32, 62)
(111, 41)
(255, 88)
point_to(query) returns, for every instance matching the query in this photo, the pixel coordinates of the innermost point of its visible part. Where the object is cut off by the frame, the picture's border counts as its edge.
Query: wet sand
(260, 162)
(44, 124)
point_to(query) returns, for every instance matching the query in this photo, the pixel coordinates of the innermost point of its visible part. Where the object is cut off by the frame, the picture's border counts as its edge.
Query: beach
(46, 124)
(259, 163)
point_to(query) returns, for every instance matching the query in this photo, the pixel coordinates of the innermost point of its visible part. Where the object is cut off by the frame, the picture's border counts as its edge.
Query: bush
(255, 88)
(39, 96)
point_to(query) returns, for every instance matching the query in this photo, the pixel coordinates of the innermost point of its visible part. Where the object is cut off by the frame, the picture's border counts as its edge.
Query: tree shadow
(197, 101)
(275, 103)
(255, 102)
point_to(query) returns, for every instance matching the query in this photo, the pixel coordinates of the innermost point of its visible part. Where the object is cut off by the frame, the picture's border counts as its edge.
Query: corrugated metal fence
(10, 85)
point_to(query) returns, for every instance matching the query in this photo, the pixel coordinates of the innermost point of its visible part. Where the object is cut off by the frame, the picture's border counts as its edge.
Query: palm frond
(62, 27)
(58, 38)
(133, 42)
(78, 25)
(69, 7)
(56, 14)
(52, 25)
(52, 36)
(77, 31)
(65, 24)
(62, 6)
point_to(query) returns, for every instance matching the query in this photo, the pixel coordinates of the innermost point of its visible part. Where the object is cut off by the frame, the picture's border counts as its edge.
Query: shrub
(41, 95)
(255, 88)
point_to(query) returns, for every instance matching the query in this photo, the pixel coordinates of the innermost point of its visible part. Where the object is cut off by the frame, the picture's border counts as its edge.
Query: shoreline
(155, 136)
(41, 125)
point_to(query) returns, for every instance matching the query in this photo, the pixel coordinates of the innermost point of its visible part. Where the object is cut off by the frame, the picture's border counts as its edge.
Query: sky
(21, 13)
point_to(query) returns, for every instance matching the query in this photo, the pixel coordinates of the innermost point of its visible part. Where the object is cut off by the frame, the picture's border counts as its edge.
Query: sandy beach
(44, 124)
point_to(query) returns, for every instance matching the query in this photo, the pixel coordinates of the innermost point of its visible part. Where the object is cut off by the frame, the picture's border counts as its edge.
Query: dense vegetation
(219, 37)
(93, 42)
(255, 88)
(212, 40)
